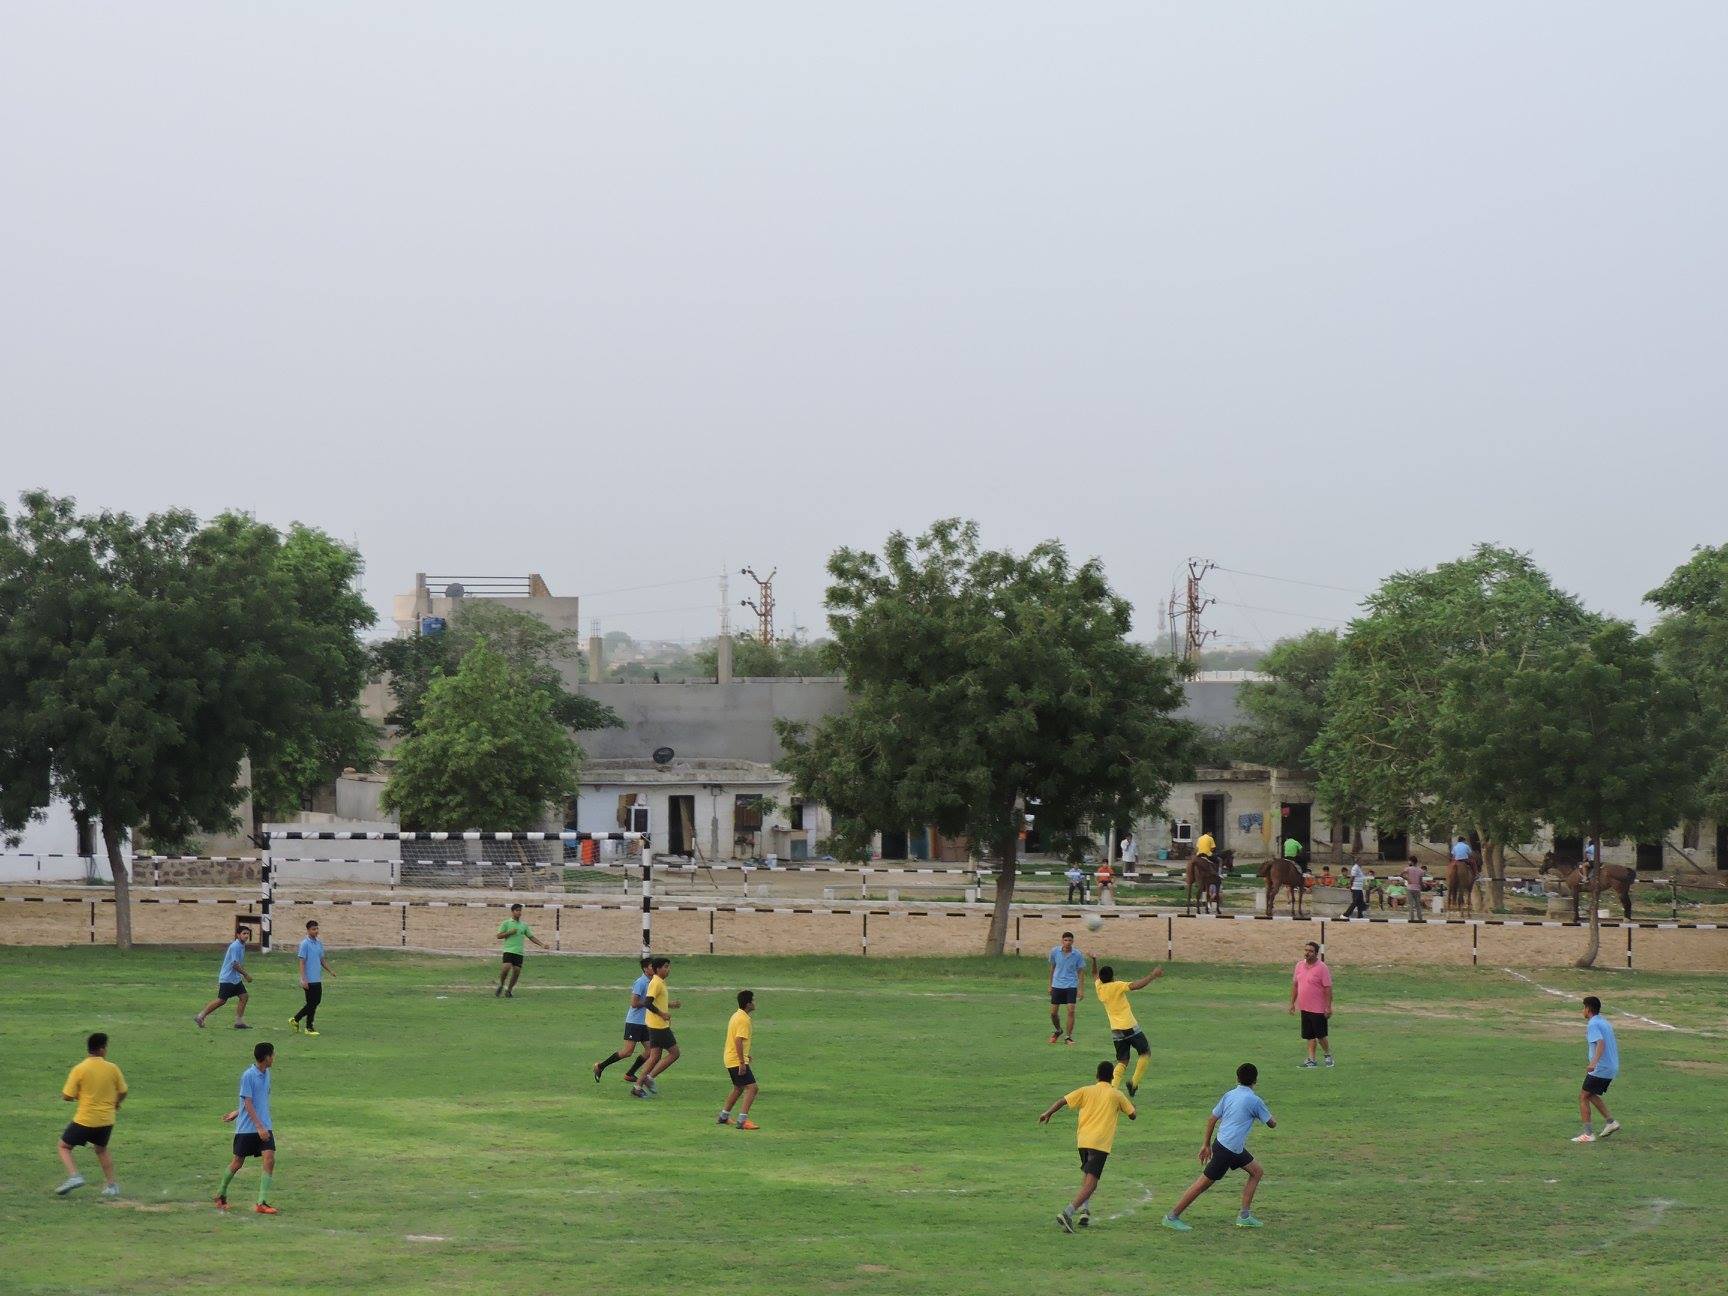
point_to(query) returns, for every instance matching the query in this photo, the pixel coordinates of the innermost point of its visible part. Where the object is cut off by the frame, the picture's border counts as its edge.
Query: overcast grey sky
(615, 292)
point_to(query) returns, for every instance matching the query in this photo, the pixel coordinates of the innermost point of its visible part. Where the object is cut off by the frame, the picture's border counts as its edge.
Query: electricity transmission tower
(1193, 606)
(764, 609)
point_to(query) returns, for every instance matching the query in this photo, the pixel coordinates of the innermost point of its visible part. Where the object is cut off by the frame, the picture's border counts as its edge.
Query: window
(797, 815)
(746, 813)
(1689, 835)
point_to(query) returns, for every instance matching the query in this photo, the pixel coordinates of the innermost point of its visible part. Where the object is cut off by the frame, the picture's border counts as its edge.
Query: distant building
(436, 600)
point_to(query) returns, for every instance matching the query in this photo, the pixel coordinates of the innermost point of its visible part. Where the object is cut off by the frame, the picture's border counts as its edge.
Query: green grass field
(436, 1139)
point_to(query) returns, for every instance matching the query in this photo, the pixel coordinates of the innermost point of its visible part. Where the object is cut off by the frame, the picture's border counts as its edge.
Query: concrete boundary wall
(614, 927)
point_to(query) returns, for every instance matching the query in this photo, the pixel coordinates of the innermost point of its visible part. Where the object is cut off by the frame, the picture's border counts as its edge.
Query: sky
(626, 294)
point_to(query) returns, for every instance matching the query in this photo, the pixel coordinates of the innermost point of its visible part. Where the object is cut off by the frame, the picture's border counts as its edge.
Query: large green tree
(1692, 638)
(1286, 712)
(1595, 734)
(142, 660)
(323, 731)
(488, 752)
(979, 679)
(1399, 669)
(533, 649)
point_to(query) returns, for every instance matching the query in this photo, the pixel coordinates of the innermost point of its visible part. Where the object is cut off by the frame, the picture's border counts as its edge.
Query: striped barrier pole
(647, 902)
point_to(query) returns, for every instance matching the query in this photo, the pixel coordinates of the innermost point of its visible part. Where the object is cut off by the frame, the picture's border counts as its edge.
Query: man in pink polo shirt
(1311, 995)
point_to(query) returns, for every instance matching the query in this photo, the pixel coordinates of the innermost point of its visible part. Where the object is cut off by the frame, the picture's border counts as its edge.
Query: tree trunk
(122, 885)
(1494, 862)
(1587, 888)
(997, 941)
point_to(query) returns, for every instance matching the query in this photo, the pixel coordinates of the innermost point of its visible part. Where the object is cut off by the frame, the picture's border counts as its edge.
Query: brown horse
(1203, 873)
(1284, 873)
(1461, 886)
(1616, 877)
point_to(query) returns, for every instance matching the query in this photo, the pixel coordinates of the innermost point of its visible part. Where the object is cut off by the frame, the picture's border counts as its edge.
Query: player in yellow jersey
(1099, 1106)
(98, 1088)
(737, 1060)
(662, 1043)
(1124, 1029)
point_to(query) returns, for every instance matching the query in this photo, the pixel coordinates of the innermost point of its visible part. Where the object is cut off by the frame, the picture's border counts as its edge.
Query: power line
(688, 607)
(1306, 616)
(1287, 580)
(631, 589)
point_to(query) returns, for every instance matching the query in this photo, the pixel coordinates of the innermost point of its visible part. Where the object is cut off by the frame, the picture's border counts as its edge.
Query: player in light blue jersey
(1225, 1148)
(635, 1029)
(1603, 1053)
(1066, 963)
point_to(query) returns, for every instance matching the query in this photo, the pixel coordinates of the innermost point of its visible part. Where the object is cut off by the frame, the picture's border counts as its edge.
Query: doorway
(1650, 857)
(1722, 846)
(1212, 818)
(1298, 819)
(893, 843)
(681, 825)
(1394, 846)
(1568, 850)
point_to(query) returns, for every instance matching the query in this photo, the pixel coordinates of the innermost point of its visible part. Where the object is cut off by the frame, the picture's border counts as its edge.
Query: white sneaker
(1329, 1061)
(1612, 1127)
(1585, 1137)
(76, 1181)
(112, 1190)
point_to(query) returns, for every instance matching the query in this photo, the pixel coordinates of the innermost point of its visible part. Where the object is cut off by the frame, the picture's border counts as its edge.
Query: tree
(979, 679)
(141, 661)
(1286, 712)
(1596, 735)
(753, 659)
(319, 578)
(1398, 671)
(1692, 639)
(528, 644)
(488, 751)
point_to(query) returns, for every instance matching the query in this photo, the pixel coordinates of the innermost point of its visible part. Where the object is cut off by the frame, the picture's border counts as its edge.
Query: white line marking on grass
(1655, 1209)
(1145, 1200)
(1648, 1021)
(426, 1237)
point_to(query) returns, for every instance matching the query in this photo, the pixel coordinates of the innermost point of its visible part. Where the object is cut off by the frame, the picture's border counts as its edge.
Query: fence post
(265, 897)
(647, 901)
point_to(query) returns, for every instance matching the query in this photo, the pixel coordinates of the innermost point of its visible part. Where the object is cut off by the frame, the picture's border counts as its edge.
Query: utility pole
(1194, 606)
(765, 609)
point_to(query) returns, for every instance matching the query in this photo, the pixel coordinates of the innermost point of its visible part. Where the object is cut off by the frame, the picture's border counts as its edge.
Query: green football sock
(263, 1189)
(226, 1180)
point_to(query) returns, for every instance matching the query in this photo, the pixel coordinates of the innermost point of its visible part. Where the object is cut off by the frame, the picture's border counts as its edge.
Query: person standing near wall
(1358, 891)
(1413, 880)
(1130, 856)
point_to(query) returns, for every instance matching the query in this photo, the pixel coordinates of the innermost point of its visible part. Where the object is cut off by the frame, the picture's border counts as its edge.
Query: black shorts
(636, 1032)
(1314, 1025)
(1224, 1161)
(76, 1135)
(1092, 1161)
(514, 960)
(251, 1145)
(1134, 1039)
(1061, 996)
(1597, 1085)
(661, 1039)
(226, 990)
(742, 1076)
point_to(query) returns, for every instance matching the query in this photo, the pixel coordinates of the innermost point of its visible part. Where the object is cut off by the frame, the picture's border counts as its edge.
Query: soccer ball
(1094, 922)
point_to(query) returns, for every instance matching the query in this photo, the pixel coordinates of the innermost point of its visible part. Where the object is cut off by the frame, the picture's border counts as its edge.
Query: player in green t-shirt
(513, 931)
